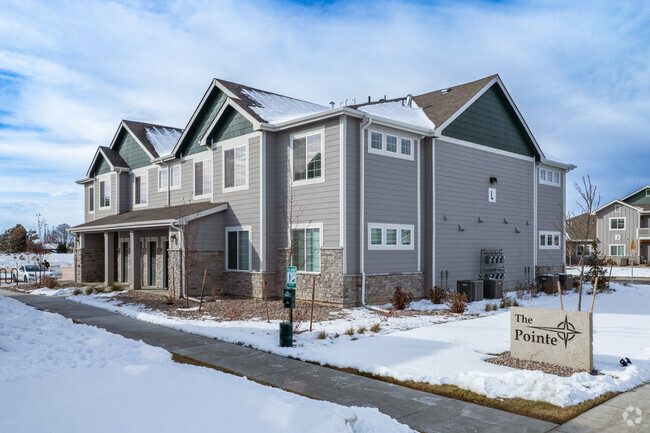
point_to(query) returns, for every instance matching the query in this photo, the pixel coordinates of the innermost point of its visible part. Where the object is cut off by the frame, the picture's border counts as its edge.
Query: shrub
(77, 292)
(115, 287)
(322, 335)
(515, 303)
(61, 248)
(168, 299)
(457, 302)
(350, 331)
(361, 330)
(491, 307)
(401, 300)
(437, 295)
(505, 303)
(337, 335)
(98, 289)
(376, 327)
(50, 283)
(89, 290)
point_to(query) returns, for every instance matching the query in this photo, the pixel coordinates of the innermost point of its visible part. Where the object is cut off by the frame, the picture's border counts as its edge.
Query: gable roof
(618, 202)
(635, 192)
(158, 140)
(113, 159)
(577, 226)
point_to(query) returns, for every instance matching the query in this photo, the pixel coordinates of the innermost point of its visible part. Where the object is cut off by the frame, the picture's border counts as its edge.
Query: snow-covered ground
(446, 349)
(55, 259)
(57, 376)
(617, 271)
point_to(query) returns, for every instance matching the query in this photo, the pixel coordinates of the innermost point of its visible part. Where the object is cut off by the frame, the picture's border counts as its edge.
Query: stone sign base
(554, 336)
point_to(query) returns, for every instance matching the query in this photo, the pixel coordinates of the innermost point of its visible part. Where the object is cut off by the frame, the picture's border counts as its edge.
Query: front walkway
(421, 411)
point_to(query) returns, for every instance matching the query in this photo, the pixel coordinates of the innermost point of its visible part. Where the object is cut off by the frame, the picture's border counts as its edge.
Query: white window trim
(617, 208)
(161, 169)
(305, 226)
(229, 146)
(139, 172)
(180, 175)
(546, 181)
(647, 192)
(549, 247)
(617, 245)
(320, 179)
(93, 189)
(617, 218)
(105, 178)
(399, 228)
(250, 248)
(584, 246)
(384, 152)
(193, 159)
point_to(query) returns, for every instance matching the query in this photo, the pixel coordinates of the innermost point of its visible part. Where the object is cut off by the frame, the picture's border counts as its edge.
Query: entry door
(125, 262)
(166, 265)
(152, 263)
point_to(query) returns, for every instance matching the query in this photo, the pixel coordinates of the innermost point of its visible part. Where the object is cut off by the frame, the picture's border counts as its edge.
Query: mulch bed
(508, 361)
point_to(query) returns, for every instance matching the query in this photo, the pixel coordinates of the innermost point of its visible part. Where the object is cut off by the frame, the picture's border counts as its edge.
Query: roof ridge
(246, 87)
(155, 125)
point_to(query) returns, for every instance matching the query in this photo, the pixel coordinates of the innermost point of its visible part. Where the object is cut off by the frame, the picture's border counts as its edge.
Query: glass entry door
(152, 263)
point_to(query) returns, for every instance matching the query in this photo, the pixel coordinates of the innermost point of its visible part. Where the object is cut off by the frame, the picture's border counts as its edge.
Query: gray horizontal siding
(126, 200)
(550, 206)
(607, 237)
(352, 195)
(461, 196)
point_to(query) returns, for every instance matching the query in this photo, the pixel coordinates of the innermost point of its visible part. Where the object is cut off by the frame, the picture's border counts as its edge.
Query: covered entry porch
(146, 249)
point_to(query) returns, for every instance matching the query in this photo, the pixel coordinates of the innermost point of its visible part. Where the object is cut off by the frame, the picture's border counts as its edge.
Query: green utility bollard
(286, 334)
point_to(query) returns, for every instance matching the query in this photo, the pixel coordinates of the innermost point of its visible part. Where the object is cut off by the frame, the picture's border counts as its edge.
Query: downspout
(362, 227)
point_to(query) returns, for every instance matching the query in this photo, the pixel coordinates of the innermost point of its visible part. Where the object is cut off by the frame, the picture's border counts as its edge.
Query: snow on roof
(412, 115)
(163, 139)
(276, 109)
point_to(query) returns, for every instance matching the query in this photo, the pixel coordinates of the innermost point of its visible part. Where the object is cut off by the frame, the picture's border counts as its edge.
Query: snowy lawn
(616, 271)
(55, 259)
(57, 376)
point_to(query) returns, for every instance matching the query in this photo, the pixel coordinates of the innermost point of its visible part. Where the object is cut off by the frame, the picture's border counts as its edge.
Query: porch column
(109, 258)
(135, 276)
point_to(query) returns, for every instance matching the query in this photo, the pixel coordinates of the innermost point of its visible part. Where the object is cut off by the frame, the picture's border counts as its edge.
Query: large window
(203, 178)
(549, 177)
(617, 223)
(307, 156)
(390, 237)
(91, 199)
(140, 189)
(390, 145)
(163, 175)
(549, 240)
(235, 167)
(105, 193)
(238, 249)
(305, 254)
(175, 173)
(617, 250)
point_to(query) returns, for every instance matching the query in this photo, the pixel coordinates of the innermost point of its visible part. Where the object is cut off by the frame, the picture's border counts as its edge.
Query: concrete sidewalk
(421, 411)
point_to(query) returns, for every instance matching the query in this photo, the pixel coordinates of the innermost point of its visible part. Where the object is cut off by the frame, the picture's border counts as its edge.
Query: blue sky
(69, 71)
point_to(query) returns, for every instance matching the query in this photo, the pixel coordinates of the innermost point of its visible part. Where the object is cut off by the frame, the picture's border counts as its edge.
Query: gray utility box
(566, 281)
(473, 289)
(547, 283)
(492, 289)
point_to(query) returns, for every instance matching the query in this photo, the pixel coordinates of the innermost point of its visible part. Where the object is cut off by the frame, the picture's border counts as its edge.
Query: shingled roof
(113, 157)
(140, 130)
(441, 104)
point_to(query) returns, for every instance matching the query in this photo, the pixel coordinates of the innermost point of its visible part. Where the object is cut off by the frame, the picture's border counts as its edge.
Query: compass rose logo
(564, 330)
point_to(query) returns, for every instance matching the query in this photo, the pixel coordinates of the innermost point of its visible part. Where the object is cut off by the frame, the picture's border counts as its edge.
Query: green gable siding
(131, 151)
(191, 142)
(102, 166)
(638, 198)
(232, 124)
(491, 121)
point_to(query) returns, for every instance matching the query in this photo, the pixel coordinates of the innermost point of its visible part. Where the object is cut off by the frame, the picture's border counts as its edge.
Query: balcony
(643, 233)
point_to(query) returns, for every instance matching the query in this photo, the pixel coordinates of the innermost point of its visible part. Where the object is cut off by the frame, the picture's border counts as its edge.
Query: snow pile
(55, 292)
(447, 350)
(276, 108)
(163, 139)
(48, 365)
(616, 271)
(402, 113)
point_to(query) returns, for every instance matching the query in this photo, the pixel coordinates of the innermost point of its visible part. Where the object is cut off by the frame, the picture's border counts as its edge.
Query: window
(406, 146)
(140, 189)
(391, 143)
(390, 237)
(163, 173)
(549, 240)
(305, 254)
(617, 223)
(105, 193)
(307, 156)
(584, 250)
(202, 178)
(396, 147)
(647, 192)
(376, 140)
(617, 208)
(91, 199)
(549, 177)
(235, 167)
(617, 250)
(175, 173)
(238, 249)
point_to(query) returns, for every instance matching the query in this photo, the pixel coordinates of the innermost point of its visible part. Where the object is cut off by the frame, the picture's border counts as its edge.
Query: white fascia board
(229, 103)
(636, 192)
(311, 118)
(114, 227)
(617, 202)
(92, 164)
(207, 212)
(558, 164)
(480, 93)
(196, 113)
(84, 180)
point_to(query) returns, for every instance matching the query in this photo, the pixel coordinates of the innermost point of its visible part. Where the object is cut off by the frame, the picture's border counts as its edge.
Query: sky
(70, 71)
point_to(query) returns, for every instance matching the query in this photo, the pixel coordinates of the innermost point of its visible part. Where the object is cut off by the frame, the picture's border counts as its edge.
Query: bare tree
(584, 231)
